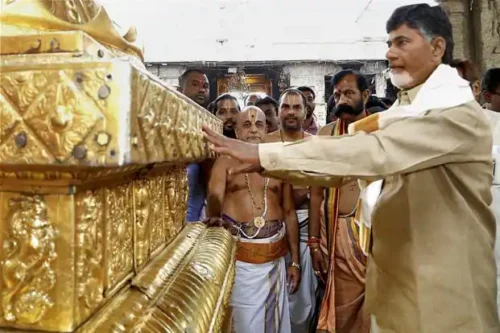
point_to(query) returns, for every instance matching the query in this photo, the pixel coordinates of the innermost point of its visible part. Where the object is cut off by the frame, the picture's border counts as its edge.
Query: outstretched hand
(247, 153)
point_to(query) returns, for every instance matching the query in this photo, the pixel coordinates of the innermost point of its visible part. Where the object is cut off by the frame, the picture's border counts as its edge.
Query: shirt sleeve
(409, 145)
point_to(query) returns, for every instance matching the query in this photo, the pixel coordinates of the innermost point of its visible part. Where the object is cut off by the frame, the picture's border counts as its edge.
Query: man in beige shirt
(431, 267)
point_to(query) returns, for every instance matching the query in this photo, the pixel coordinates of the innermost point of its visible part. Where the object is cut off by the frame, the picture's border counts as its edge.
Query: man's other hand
(293, 279)
(216, 222)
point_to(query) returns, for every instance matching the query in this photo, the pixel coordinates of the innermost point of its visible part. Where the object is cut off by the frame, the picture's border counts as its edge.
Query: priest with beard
(338, 259)
(226, 108)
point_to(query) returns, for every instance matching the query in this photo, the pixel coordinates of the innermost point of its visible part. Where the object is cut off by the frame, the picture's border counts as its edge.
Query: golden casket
(93, 186)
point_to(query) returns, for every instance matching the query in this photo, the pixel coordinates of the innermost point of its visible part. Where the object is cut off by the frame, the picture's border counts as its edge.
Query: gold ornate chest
(93, 186)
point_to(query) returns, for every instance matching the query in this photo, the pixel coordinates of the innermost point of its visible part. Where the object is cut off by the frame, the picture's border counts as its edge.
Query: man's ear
(366, 95)
(476, 89)
(438, 47)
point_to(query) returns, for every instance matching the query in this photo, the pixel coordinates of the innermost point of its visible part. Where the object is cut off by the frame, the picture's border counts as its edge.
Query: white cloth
(495, 189)
(259, 298)
(303, 302)
(443, 89)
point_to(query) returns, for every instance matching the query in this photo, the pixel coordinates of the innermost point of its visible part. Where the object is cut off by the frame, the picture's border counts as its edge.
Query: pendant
(259, 222)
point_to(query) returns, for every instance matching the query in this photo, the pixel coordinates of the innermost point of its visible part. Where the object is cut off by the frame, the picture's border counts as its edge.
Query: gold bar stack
(93, 188)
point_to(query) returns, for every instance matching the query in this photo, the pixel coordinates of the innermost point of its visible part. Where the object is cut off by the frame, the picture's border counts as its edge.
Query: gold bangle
(314, 249)
(294, 264)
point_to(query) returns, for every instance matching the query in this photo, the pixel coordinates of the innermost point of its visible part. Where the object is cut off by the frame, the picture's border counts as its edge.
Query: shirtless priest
(292, 113)
(257, 210)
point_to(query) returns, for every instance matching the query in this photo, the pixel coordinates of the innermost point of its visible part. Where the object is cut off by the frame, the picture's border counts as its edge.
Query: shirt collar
(406, 97)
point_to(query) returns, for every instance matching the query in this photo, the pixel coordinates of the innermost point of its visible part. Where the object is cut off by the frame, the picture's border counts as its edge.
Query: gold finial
(68, 15)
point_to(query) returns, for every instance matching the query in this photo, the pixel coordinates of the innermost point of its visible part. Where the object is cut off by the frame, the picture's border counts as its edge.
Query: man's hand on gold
(247, 153)
(319, 264)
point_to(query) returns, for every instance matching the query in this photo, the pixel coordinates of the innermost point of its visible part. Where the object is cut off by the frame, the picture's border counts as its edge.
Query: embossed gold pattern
(188, 284)
(28, 255)
(89, 252)
(93, 183)
(119, 234)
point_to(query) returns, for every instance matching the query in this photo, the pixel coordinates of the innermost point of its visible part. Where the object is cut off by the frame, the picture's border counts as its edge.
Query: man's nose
(342, 100)
(390, 55)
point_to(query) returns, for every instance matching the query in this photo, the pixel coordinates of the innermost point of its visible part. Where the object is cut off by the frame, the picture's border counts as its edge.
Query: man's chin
(254, 140)
(401, 80)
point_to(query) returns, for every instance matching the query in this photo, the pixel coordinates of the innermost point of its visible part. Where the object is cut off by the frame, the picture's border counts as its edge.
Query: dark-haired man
(338, 260)
(491, 94)
(226, 107)
(270, 108)
(431, 266)
(252, 99)
(194, 84)
(491, 89)
(292, 112)
(310, 125)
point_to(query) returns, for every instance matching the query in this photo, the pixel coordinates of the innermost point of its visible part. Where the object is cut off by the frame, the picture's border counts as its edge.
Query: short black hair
(267, 100)
(250, 95)
(182, 78)
(361, 80)
(491, 80)
(430, 21)
(387, 101)
(330, 109)
(375, 102)
(294, 91)
(224, 97)
(306, 88)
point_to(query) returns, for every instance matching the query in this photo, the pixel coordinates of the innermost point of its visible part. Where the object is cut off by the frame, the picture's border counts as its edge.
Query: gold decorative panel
(93, 183)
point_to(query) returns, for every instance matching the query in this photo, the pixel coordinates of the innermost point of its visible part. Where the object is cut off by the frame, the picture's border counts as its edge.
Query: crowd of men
(302, 252)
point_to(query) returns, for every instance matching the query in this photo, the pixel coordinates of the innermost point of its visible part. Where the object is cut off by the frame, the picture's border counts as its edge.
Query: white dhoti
(303, 302)
(259, 298)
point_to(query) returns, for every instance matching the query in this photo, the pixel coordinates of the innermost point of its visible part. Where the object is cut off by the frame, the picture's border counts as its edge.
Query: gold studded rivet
(104, 92)
(102, 138)
(80, 152)
(21, 140)
(79, 78)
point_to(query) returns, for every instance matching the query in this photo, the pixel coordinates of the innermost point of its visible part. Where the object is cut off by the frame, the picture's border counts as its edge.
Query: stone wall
(301, 74)
(313, 75)
(168, 73)
(476, 30)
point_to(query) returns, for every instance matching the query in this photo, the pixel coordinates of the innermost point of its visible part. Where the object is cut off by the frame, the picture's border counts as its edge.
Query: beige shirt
(432, 267)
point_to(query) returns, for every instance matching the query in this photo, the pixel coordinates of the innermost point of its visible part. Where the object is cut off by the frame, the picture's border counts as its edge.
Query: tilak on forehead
(252, 115)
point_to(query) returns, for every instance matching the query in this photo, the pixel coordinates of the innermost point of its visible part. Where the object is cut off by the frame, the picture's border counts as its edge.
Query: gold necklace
(258, 221)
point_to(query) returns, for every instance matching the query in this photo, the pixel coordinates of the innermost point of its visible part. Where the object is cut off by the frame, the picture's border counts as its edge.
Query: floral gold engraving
(142, 213)
(158, 230)
(73, 11)
(27, 256)
(89, 252)
(119, 233)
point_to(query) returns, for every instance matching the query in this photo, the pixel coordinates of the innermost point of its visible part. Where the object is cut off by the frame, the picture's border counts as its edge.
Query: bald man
(258, 209)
